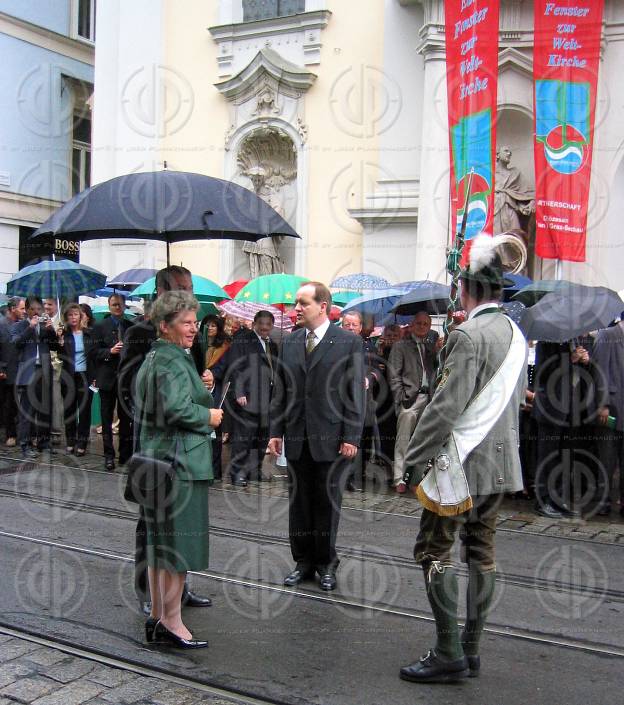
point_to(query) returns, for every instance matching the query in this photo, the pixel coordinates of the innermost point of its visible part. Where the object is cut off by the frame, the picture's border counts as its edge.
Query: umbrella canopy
(246, 310)
(205, 290)
(272, 289)
(425, 295)
(559, 317)
(533, 292)
(170, 206)
(516, 283)
(360, 282)
(130, 279)
(342, 298)
(234, 287)
(375, 305)
(514, 309)
(108, 291)
(55, 279)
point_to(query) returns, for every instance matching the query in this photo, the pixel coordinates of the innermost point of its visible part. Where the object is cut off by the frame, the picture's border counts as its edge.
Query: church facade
(335, 113)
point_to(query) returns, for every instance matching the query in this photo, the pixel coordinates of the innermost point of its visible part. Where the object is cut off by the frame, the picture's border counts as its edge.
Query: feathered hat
(485, 264)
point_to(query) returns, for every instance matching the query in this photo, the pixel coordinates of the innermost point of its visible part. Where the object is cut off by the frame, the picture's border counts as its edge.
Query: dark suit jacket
(251, 373)
(67, 352)
(608, 371)
(565, 392)
(137, 342)
(27, 340)
(106, 365)
(8, 351)
(319, 397)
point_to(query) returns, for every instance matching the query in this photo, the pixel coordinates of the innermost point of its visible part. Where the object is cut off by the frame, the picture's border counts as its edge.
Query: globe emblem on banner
(477, 205)
(564, 149)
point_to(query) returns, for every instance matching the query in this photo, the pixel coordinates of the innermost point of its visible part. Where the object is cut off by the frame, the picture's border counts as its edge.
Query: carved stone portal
(269, 159)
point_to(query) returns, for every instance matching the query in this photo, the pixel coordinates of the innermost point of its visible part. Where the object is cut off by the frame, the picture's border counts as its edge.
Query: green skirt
(177, 534)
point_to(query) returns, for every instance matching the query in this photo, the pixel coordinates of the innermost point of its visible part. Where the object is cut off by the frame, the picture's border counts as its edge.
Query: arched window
(267, 9)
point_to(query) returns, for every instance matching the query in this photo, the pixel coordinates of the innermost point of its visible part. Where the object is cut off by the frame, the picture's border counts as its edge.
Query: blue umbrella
(109, 291)
(130, 279)
(360, 282)
(514, 309)
(55, 279)
(516, 282)
(376, 304)
(424, 295)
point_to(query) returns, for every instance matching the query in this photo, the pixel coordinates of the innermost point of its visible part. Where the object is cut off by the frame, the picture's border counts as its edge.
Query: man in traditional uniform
(462, 458)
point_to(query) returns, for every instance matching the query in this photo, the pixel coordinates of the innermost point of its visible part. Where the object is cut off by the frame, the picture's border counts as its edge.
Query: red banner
(565, 71)
(471, 30)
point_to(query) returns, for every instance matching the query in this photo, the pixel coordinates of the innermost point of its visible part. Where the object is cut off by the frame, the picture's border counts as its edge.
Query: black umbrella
(424, 295)
(533, 292)
(170, 206)
(560, 317)
(130, 279)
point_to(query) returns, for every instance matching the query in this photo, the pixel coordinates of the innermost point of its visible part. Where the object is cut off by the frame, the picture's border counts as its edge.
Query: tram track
(359, 553)
(345, 508)
(507, 631)
(167, 675)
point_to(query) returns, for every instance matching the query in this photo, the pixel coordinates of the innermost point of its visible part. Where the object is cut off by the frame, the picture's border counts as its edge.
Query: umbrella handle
(205, 215)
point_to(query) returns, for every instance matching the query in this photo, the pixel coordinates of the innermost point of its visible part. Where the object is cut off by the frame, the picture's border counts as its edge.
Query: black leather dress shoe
(432, 669)
(548, 510)
(192, 599)
(109, 464)
(240, 482)
(162, 634)
(474, 665)
(150, 625)
(604, 510)
(297, 576)
(328, 581)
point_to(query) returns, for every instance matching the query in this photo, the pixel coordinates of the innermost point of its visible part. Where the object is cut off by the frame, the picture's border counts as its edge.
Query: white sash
(444, 489)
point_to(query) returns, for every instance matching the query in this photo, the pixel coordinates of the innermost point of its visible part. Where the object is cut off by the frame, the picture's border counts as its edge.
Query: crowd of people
(51, 363)
(342, 408)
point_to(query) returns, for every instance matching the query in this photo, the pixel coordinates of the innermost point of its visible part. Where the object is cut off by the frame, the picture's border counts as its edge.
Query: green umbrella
(205, 290)
(271, 289)
(342, 298)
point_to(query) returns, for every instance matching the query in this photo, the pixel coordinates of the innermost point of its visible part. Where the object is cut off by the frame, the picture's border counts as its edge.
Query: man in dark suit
(253, 355)
(608, 370)
(318, 408)
(33, 338)
(109, 335)
(137, 341)
(16, 310)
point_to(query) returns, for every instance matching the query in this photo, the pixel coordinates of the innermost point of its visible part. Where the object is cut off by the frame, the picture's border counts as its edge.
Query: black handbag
(150, 480)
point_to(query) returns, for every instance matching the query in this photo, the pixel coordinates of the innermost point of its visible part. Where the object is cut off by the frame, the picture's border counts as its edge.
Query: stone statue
(268, 159)
(513, 197)
(263, 255)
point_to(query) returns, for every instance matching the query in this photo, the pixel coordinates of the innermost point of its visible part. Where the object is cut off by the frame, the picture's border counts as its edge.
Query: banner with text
(565, 70)
(471, 28)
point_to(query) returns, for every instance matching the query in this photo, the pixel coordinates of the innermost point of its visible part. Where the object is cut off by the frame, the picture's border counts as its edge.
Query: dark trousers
(8, 409)
(34, 409)
(315, 492)
(77, 399)
(566, 469)
(477, 531)
(610, 453)
(108, 401)
(248, 443)
(217, 452)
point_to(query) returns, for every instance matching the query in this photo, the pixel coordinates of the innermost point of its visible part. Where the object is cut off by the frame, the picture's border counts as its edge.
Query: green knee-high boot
(480, 592)
(442, 589)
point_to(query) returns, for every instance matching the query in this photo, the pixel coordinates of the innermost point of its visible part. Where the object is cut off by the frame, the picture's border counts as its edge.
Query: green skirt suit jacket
(173, 410)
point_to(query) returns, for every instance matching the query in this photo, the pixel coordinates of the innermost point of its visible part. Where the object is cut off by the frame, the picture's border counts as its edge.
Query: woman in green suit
(176, 417)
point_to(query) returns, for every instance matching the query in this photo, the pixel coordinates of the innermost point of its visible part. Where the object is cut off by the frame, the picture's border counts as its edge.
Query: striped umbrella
(55, 279)
(246, 310)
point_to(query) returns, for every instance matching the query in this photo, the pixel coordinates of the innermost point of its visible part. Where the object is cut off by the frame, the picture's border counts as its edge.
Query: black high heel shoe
(150, 625)
(161, 633)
